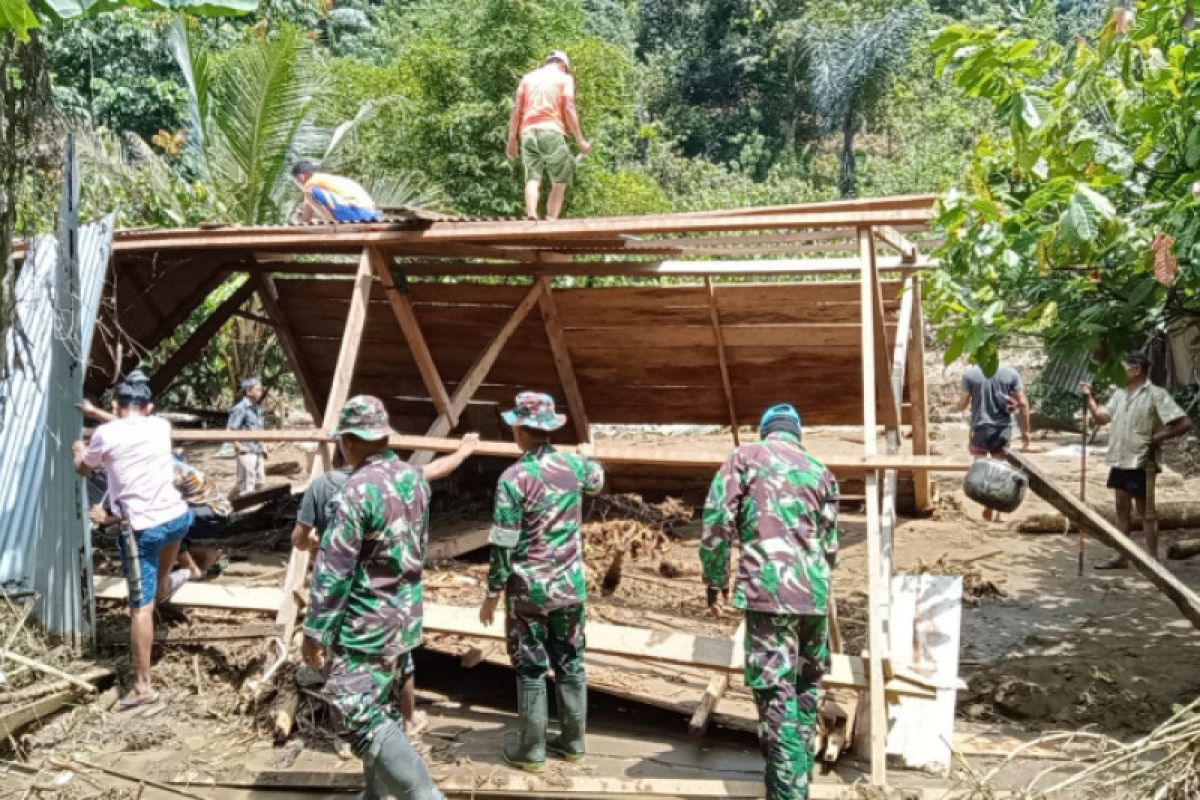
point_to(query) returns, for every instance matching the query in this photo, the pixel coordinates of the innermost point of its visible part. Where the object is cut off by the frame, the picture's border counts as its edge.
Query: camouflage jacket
(366, 584)
(537, 547)
(781, 504)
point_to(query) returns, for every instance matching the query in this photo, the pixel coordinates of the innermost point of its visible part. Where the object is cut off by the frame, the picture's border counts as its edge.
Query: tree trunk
(847, 165)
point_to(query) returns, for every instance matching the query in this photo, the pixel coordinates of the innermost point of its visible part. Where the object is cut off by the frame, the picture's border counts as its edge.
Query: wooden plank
(201, 336)
(883, 374)
(402, 308)
(323, 238)
(717, 686)
(915, 376)
(877, 593)
(339, 392)
(203, 595)
(722, 362)
(615, 454)
(269, 297)
(810, 336)
(483, 364)
(1186, 600)
(564, 365)
(621, 640)
(573, 787)
(442, 547)
(13, 721)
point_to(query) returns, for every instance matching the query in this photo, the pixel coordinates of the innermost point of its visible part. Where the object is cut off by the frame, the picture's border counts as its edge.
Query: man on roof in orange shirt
(333, 198)
(541, 116)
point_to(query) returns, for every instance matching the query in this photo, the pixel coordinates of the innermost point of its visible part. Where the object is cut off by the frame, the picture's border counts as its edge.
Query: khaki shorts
(251, 472)
(546, 152)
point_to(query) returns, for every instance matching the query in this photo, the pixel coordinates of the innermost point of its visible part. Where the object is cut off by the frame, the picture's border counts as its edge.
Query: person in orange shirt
(543, 113)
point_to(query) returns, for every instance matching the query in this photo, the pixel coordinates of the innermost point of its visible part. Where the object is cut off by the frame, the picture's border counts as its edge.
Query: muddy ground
(1042, 648)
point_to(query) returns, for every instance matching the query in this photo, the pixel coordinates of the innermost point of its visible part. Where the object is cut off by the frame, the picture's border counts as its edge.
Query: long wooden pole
(722, 362)
(1083, 446)
(339, 392)
(877, 593)
(1184, 598)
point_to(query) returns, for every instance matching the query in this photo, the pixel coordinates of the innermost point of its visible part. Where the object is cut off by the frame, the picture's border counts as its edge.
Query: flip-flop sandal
(128, 704)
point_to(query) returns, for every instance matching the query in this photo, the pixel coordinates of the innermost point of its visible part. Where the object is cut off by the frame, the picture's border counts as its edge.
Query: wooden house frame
(385, 308)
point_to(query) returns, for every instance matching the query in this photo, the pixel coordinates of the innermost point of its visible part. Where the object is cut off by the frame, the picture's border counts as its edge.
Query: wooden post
(407, 319)
(205, 331)
(564, 365)
(338, 394)
(479, 370)
(877, 591)
(1150, 518)
(269, 296)
(917, 398)
(722, 362)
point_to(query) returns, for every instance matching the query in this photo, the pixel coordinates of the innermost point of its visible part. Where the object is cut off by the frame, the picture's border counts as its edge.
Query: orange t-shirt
(542, 99)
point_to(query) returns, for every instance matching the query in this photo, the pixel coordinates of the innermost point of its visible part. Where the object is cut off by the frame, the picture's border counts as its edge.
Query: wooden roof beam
(268, 295)
(780, 266)
(564, 365)
(202, 335)
(479, 370)
(411, 329)
(545, 232)
(898, 241)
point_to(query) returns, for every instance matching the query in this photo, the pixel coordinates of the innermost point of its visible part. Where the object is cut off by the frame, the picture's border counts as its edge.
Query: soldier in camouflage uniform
(366, 598)
(537, 562)
(780, 504)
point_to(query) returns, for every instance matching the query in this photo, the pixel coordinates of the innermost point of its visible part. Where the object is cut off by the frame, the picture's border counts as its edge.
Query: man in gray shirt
(992, 402)
(247, 415)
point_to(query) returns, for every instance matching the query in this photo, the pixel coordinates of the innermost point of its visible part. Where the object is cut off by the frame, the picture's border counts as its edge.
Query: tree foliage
(1054, 230)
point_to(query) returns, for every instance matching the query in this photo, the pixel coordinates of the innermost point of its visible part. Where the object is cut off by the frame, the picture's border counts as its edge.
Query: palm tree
(251, 115)
(850, 70)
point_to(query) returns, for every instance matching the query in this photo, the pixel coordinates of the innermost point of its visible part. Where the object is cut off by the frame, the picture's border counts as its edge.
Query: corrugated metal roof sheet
(28, 559)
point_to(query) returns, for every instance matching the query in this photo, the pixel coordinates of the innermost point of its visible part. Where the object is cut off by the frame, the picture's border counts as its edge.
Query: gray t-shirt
(990, 396)
(316, 507)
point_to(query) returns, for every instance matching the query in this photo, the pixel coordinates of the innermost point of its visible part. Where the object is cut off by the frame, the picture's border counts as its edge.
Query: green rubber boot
(529, 751)
(572, 719)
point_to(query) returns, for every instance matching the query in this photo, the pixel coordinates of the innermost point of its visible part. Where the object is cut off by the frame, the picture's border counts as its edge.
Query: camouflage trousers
(786, 655)
(538, 640)
(358, 687)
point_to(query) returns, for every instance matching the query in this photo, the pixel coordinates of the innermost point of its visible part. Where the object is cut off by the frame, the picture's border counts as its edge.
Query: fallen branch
(46, 669)
(42, 689)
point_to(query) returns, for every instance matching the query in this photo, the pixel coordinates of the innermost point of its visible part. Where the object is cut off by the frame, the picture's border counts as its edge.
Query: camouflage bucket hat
(535, 410)
(364, 416)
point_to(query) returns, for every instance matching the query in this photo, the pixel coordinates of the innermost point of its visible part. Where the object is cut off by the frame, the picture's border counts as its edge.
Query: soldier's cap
(535, 410)
(1137, 359)
(364, 416)
(782, 417)
(250, 383)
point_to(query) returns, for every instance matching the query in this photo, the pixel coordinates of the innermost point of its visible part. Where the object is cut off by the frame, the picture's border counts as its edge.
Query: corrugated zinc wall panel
(28, 559)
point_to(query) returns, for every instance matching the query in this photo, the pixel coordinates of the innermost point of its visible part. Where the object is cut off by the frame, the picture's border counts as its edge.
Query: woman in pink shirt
(135, 451)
